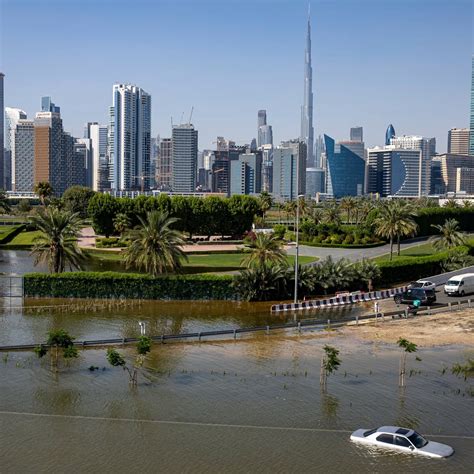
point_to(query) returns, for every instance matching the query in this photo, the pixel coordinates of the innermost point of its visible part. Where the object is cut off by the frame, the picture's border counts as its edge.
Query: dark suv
(427, 297)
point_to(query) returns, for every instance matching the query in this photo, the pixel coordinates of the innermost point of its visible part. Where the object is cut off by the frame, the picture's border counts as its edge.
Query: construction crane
(142, 179)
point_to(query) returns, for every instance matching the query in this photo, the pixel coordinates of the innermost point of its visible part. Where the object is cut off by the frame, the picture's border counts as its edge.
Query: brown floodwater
(248, 406)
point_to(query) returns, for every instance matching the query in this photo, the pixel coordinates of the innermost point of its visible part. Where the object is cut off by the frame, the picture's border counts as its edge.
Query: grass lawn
(5, 229)
(24, 238)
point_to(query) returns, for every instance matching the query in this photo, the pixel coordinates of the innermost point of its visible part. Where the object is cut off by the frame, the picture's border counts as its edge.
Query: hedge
(438, 216)
(345, 246)
(129, 285)
(11, 234)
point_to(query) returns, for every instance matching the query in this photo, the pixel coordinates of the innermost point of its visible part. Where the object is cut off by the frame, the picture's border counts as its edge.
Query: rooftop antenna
(191, 115)
(171, 122)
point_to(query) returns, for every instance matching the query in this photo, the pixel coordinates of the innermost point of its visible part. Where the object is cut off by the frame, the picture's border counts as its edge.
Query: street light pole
(297, 226)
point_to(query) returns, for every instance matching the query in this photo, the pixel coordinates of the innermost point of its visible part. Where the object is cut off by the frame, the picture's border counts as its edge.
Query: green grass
(25, 238)
(5, 229)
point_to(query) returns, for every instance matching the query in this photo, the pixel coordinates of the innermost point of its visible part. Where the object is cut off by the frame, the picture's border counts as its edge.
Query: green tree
(367, 271)
(334, 275)
(121, 223)
(58, 339)
(450, 235)
(265, 201)
(24, 206)
(349, 205)
(330, 362)
(44, 191)
(5, 207)
(265, 250)
(76, 199)
(215, 216)
(262, 283)
(155, 246)
(241, 212)
(407, 348)
(451, 204)
(332, 214)
(102, 209)
(57, 243)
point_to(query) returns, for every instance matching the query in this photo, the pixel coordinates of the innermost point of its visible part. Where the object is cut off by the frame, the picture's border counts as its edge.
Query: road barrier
(316, 323)
(351, 298)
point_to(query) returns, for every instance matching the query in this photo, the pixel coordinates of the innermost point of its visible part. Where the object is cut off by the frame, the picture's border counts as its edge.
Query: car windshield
(417, 440)
(454, 282)
(416, 284)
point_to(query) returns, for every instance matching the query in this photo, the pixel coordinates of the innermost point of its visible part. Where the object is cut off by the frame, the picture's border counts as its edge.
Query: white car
(403, 440)
(425, 284)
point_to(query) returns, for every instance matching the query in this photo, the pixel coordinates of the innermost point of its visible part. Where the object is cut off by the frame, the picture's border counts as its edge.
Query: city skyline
(339, 104)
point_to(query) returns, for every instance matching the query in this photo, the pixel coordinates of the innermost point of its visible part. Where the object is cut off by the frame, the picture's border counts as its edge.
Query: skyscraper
(2, 127)
(458, 141)
(246, 174)
(23, 171)
(47, 105)
(164, 165)
(262, 118)
(357, 134)
(307, 131)
(99, 167)
(12, 116)
(184, 160)
(471, 133)
(130, 138)
(389, 134)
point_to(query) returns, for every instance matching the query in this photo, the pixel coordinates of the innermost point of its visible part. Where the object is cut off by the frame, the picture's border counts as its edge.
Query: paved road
(353, 254)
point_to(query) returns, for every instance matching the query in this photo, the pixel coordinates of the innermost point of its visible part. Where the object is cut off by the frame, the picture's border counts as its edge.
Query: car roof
(423, 281)
(463, 275)
(395, 430)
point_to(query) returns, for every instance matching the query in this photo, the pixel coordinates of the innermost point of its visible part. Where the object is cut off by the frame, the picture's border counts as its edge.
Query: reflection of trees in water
(404, 418)
(62, 401)
(329, 405)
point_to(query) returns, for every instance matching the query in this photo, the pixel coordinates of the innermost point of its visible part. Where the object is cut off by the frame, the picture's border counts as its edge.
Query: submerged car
(423, 284)
(426, 297)
(403, 440)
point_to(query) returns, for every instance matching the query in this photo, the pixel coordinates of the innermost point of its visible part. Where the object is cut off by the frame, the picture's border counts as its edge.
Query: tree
(332, 275)
(367, 271)
(24, 206)
(44, 190)
(76, 199)
(451, 204)
(348, 204)
(121, 223)
(102, 209)
(330, 362)
(262, 283)
(58, 339)
(407, 348)
(57, 243)
(265, 250)
(332, 215)
(155, 246)
(117, 360)
(265, 201)
(5, 207)
(215, 216)
(450, 235)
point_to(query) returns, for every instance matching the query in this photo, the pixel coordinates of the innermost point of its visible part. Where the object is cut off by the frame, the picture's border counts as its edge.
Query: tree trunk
(391, 248)
(398, 244)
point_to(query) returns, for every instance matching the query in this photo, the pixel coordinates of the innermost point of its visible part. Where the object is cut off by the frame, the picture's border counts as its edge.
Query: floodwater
(253, 405)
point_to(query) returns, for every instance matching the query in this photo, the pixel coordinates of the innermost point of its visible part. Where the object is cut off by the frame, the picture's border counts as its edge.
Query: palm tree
(154, 245)
(44, 190)
(57, 243)
(265, 250)
(348, 204)
(261, 283)
(367, 271)
(4, 204)
(407, 227)
(290, 209)
(334, 275)
(451, 203)
(121, 223)
(265, 202)
(332, 214)
(450, 235)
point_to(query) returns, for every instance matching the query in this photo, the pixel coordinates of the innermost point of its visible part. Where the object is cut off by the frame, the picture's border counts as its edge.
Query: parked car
(460, 285)
(426, 297)
(424, 284)
(403, 440)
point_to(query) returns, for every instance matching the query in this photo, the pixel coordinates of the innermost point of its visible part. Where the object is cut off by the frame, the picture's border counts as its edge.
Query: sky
(375, 62)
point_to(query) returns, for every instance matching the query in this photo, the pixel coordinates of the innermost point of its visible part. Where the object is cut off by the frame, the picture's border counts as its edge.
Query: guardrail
(351, 298)
(322, 323)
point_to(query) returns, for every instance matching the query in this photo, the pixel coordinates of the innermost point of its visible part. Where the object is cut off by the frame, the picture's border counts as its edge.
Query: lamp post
(297, 225)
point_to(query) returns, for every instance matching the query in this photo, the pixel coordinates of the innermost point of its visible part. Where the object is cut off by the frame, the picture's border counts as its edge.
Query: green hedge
(438, 215)
(11, 234)
(345, 246)
(129, 285)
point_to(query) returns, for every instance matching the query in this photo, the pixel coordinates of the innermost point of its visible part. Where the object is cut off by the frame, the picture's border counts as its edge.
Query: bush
(437, 216)
(279, 230)
(129, 285)
(109, 243)
(349, 239)
(290, 236)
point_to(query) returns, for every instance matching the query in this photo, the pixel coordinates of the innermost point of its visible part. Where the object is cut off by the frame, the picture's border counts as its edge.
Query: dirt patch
(455, 327)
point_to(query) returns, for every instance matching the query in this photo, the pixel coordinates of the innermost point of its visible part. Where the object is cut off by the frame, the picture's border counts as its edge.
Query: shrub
(290, 236)
(279, 230)
(110, 242)
(438, 215)
(349, 239)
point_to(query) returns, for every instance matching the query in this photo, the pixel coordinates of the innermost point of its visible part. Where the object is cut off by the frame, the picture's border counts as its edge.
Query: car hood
(437, 449)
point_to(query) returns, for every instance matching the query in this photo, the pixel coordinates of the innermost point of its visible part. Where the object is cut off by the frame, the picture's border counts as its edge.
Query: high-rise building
(264, 131)
(458, 141)
(47, 105)
(355, 146)
(267, 168)
(80, 165)
(393, 171)
(465, 180)
(318, 151)
(428, 150)
(164, 169)
(471, 127)
(246, 174)
(2, 128)
(449, 165)
(315, 181)
(389, 134)
(307, 131)
(184, 161)
(345, 170)
(357, 134)
(261, 118)
(23, 171)
(130, 138)
(98, 135)
(12, 116)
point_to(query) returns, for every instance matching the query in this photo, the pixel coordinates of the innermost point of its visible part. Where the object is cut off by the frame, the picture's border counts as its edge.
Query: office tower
(300, 152)
(315, 181)
(345, 170)
(265, 135)
(130, 138)
(318, 151)
(355, 146)
(98, 174)
(307, 131)
(449, 165)
(393, 171)
(47, 105)
(471, 132)
(357, 134)
(246, 174)
(437, 183)
(23, 170)
(80, 170)
(267, 168)
(389, 134)
(154, 156)
(261, 118)
(12, 116)
(184, 158)
(428, 150)
(465, 180)
(458, 141)
(2, 128)
(220, 168)
(164, 168)
(253, 145)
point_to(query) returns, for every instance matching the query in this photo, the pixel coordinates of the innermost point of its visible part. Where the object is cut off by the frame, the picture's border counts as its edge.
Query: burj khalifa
(307, 131)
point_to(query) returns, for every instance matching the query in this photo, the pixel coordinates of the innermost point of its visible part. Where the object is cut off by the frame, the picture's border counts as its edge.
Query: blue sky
(407, 62)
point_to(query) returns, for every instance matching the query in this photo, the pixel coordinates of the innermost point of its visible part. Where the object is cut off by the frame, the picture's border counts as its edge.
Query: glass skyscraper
(471, 134)
(345, 170)
(389, 134)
